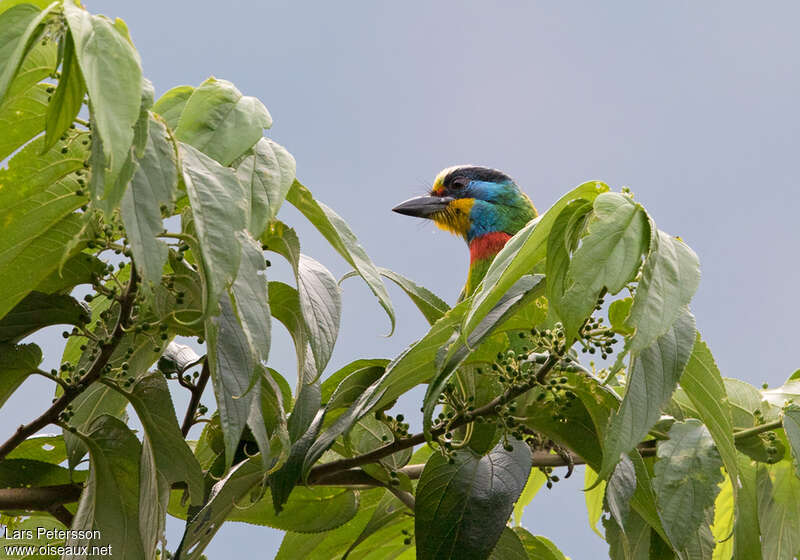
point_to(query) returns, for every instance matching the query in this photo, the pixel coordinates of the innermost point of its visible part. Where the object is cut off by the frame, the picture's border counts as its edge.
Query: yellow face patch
(455, 218)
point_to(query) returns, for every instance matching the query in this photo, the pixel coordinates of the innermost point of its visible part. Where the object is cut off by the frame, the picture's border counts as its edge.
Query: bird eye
(460, 183)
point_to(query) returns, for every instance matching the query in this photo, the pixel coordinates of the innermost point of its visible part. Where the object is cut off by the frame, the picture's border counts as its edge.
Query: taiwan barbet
(484, 206)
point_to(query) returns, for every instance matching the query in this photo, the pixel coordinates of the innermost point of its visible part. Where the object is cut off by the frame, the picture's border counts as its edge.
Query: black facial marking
(461, 176)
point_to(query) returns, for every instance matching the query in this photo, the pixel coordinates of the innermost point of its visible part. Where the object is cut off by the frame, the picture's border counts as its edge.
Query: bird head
(483, 206)
(471, 201)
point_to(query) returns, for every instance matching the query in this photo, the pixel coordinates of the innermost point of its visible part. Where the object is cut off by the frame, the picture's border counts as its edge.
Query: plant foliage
(163, 212)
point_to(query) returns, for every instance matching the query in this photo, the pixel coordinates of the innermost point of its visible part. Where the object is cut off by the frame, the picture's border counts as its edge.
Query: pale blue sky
(692, 105)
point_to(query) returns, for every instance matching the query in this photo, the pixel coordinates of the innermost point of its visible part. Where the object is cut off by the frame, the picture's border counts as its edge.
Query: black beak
(423, 206)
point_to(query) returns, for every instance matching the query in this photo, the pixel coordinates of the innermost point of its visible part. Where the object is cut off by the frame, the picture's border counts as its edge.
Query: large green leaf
(608, 257)
(704, 386)
(522, 252)
(110, 502)
(38, 310)
(249, 293)
(17, 361)
(19, 27)
(230, 360)
(342, 387)
(267, 174)
(670, 276)
(80, 269)
(687, 475)
(340, 236)
(220, 122)
(171, 104)
(779, 511)
(561, 242)
(629, 543)
(44, 447)
(535, 482)
(653, 377)
(37, 219)
(173, 459)
(462, 508)
(68, 97)
(201, 527)
(308, 510)
(113, 75)
(285, 307)
(620, 489)
(320, 302)
(218, 211)
(153, 186)
(722, 527)
(369, 434)
(23, 110)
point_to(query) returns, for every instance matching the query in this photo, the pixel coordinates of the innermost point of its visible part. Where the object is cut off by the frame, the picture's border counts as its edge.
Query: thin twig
(50, 416)
(197, 393)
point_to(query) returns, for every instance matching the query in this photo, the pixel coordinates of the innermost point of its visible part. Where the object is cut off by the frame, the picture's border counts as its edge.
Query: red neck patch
(487, 245)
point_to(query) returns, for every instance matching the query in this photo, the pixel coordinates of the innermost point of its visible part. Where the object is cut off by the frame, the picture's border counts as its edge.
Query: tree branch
(488, 410)
(50, 416)
(194, 402)
(42, 498)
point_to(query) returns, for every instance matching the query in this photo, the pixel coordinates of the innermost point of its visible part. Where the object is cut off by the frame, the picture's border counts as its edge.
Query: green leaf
(509, 547)
(242, 479)
(536, 480)
(791, 425)
(28, 473)
(632, 543)
(387, 510)
(153, 186)
(670, 277)
(608, 257)
(617, 313)
(220, 122)
(320, 302)
(687, 475)
(37, 222)
(19, 27)
(218, 210)
(522, 252)
(703, 385)
(110, 501)
(17, 361)
(285, 307)
(113, 75)
(304, 426)
(429, 304)
(35, 523)
(654, 374)
(171, 104)
(308, 510)
(342, 387)
(341, 426)
(68, 97)
(779, 511)
(594, 498)
(319, 299)
(538, 547)
(369, 434)
(44, 447)
(38, 310)
(620, 489)
(375, 516)
(249, 293)
(173, 459)
(232, 367)
(462, 508)
(722, 528)
(22, 116)
(39, 63)
(267, 174)
(561, 242)
(80, 269)
(746, 541)
(336, 231)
